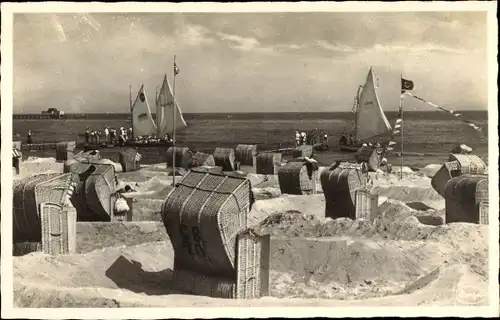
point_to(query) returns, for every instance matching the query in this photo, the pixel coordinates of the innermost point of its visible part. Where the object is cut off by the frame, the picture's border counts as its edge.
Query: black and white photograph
(288, 156)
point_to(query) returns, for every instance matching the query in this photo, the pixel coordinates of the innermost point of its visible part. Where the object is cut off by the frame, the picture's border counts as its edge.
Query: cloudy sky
(247, 62)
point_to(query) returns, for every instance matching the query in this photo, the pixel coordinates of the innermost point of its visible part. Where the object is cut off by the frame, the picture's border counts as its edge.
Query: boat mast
(131, 113)
(355, 112)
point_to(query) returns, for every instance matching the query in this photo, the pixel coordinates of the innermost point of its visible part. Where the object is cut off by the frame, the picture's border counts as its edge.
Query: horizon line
(257, 112)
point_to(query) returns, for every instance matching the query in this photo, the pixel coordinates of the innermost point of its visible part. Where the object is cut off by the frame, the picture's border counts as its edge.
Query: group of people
(120, 137)
(303, 138)
(344, 140)
(107, 136)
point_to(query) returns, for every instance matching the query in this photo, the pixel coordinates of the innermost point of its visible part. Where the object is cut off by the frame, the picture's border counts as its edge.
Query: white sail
(371, 121)
(165, 108)
(142, 121)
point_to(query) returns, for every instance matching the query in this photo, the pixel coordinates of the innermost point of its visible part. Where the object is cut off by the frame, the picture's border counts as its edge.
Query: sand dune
(405, 257)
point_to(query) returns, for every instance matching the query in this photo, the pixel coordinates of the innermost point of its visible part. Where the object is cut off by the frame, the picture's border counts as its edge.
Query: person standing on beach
(29, 138)
(304, 138)
(112, 136)
(325, 140)
(87, 135)
(106, 135)
(297, 138)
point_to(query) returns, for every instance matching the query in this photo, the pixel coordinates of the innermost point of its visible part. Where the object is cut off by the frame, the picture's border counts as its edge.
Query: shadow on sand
(131, 276)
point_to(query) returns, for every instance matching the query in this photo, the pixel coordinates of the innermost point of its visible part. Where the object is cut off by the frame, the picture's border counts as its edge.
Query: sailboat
(370, 123)
(142, 119)
(166, 105)
(143, 123)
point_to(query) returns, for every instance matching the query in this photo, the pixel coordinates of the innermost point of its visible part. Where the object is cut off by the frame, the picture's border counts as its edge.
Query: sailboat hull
(347, 148)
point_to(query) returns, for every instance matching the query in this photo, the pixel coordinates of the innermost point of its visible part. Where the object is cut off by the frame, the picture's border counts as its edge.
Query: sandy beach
(405, 257)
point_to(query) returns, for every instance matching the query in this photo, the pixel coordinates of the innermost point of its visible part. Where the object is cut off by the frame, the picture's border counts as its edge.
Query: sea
(428, 136)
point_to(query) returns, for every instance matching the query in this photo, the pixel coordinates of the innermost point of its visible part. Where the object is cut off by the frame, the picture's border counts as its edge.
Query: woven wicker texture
(203, 216)
(366, 204)
(442, 176)
(339, 187)
(128, 160)
(217, 170)
(28, 194)
(294, 178)
(268, 163)
(202, 284)
(469, 163)
(58, 229)
(372, 156)
(252, 271)
(65, 150)
(302, 151)
(22, 248)
(183, 157)
(98, 188)
(484, 212)
(224, 158)
(244, 154)
(462, 197)
(202, 159)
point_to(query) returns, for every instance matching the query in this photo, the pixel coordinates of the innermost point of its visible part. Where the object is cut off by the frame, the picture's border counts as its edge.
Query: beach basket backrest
(484, 212)
(225, 158)
(99, 186)
(339, 188)
(202, 216)
(28, 194)
(58, 229)
(462, 197)
(268, 163)
(244, 153)
(469, 163)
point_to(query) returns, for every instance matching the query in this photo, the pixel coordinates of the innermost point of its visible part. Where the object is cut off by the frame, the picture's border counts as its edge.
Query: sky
(248, 62)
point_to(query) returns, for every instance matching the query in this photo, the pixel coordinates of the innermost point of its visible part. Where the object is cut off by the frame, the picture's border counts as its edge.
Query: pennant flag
(406, 84)
(176, 69)
(396, 132)
(399, 121)
(391, 143)
(452, 112)
(389, 149)
(397, 126)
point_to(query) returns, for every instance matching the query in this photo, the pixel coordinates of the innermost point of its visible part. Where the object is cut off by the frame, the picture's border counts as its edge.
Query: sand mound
(307, 204)
(430, 170)
(410, 190)
(39, 165)
(329, 268)
(266, 193)
(98, 235)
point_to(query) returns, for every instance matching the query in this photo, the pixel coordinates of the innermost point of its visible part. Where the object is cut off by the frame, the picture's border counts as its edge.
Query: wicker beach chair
(297, 178)
(203, 216)
(65, 150)
(268, 163)
(225, 158)
(183, 157)
(339, 187)
(244, 154)
(465, 197)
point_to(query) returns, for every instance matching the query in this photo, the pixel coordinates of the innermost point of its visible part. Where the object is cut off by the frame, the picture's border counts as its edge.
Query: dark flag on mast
(406, 85)
(176, 69)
